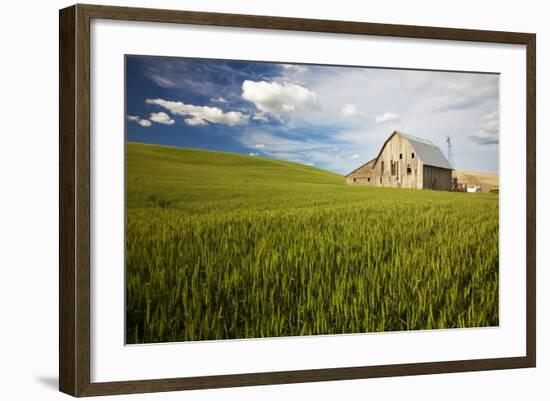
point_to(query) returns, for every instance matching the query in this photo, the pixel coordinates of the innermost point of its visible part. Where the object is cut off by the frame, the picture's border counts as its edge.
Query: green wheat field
(227, 246)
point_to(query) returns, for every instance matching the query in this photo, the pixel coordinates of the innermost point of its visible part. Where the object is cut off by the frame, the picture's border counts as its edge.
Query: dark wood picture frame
(74, 200)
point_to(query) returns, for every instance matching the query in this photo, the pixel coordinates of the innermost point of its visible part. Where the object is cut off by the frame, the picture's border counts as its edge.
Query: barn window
(412, 155)
(409, 170)
(380, 180)
(355, 179)
(368, 179)
(400, 156)
(382, 166)
(393, 165)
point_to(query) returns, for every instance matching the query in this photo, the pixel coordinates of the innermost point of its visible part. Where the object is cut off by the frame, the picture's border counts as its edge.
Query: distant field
(221, 245)
(486, 181)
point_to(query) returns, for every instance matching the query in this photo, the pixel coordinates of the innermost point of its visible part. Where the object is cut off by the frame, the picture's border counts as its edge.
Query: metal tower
(450, 151)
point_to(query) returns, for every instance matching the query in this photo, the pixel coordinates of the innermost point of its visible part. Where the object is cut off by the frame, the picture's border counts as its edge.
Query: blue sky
(331, 117)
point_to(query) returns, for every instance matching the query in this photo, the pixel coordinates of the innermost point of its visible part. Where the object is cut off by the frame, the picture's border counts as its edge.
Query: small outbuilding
(405, 161)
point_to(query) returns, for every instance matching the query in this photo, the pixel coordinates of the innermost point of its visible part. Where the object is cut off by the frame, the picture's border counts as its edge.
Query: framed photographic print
(250, 200)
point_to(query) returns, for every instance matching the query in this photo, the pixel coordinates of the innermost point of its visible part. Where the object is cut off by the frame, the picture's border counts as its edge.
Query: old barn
(405, 161)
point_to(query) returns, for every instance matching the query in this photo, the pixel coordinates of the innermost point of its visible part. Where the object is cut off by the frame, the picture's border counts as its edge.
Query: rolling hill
(486, 181)
(221, 167)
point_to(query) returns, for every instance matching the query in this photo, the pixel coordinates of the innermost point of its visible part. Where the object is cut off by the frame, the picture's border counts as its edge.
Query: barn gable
(426, 150)
(363, 174)
(366, 166)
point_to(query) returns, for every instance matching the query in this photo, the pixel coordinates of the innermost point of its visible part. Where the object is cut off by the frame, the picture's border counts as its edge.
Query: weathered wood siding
(438, 178)
(364, 175)
(407, 171)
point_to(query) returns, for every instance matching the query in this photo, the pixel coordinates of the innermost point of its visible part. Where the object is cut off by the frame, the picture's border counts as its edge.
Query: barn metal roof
(428, 152)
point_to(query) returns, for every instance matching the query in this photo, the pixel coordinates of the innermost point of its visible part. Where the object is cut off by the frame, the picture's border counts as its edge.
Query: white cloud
(161, 118)
(143, 122)
(200, 115)
(350, 110)
(488, 132)
(299, 150)
(444, 92)
(354, 157)
(279, 99)
(253, 154)
(218, 100)
(260, 116)
(162, 81)
(195, 121)
(259, 146)
(294, 67)
(490, 117)
(309, 164)
(387, 117)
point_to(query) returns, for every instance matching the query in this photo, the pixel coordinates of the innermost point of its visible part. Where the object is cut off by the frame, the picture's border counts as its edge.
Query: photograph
(273, 199)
